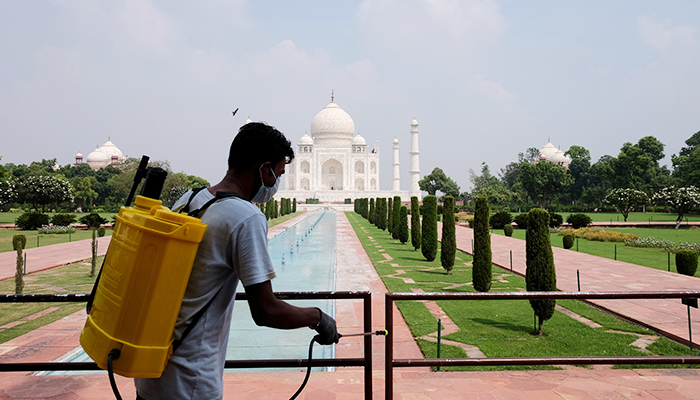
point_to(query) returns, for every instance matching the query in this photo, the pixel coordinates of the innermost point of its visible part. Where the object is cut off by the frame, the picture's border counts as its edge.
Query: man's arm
(269, 311)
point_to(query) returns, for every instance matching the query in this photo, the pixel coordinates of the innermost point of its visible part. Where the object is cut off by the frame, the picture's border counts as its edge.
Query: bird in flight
(234, 112)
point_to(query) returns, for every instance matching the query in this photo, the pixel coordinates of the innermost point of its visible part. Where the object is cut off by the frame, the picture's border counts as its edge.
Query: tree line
(42, 185)
(584, 186)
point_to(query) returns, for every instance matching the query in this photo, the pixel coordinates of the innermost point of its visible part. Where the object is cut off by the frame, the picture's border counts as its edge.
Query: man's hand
(327, 332)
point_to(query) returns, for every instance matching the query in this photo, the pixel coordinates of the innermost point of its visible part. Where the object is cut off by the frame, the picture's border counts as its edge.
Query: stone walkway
(355, 272)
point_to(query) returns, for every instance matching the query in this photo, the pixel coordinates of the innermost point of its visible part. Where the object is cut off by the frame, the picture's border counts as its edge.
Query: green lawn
(74, 278)
(652, 258)
(10, 218)
(500, 328)
(635, 217)
(44, 239)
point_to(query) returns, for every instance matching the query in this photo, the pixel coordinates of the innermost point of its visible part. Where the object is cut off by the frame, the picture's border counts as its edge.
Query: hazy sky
(485, 79)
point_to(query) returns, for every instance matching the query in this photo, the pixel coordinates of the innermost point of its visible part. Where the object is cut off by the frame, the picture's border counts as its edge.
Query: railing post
(389, 350)
(367, 302)
(439, 337)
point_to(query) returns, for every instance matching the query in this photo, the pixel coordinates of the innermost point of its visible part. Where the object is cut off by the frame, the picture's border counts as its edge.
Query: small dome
(396, 141)
(247, 121)
(359, 141)
(548, 151)
(78, 155)
(414, 122)
(306, 140)
(332, 127)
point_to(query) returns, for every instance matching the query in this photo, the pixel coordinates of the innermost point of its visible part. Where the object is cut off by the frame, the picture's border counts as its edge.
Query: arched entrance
(332, 175)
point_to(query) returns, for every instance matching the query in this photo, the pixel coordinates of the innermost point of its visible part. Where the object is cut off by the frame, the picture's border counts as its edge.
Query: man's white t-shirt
(234, 247)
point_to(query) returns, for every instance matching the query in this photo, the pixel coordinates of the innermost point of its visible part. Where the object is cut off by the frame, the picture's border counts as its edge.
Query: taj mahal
(334, 163)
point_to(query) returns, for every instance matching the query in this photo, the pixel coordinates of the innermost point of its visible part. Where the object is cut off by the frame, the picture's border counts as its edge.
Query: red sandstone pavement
(41, 258)
(355, 272)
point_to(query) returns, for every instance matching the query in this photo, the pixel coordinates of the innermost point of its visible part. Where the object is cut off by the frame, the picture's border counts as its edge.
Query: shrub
(294, 205)
(521, 220)
(501, 218)
(403, 225)
(555, 220)
(32, 220)
(578, 220)
(371, 215)
(508, 230)
(390, 214)
(672, 247)
(540, 274)
(415, 223)
(481, 265)
(568, 241)
(599, 235)
(686, 262)
(429, 240)
(58, 230)
(101, 231)
(63, 219)
(448, 249)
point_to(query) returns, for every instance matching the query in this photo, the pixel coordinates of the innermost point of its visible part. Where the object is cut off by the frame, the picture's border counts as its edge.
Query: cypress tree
(396, 214)
(403, 225)
(268, 209)
(481, 265)
(371, 211)
(381, 213)
(429, 240)
(390, 214)
(18, 244)
(415, 223)
(540, 274)
(448, 249)
(294, 205)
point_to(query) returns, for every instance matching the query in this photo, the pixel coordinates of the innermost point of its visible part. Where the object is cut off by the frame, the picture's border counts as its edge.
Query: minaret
(396, 175)
(415, 165)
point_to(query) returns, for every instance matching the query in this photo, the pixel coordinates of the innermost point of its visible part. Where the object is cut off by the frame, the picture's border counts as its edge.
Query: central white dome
(332, 127)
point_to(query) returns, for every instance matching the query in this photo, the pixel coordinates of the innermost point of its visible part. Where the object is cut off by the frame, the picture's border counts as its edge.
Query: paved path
(355, 272)
(56, 255)
(599, 274)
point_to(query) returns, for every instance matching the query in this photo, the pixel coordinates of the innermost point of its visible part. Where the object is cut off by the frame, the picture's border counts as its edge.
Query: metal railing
(391, 362)
(365, 361)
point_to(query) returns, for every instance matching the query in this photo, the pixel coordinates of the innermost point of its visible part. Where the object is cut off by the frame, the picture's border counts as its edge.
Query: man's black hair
(258, 142)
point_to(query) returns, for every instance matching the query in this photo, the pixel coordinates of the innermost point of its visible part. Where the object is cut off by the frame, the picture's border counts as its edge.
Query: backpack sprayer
(134, 304)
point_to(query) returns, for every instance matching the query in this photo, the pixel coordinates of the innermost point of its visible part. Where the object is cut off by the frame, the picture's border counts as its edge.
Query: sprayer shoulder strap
(196, 213)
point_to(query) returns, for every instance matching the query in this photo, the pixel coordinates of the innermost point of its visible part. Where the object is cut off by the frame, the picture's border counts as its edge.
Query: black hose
(308, 370)
(113, 355)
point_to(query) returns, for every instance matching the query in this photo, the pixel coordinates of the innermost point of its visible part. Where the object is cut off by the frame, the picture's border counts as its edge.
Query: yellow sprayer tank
(140, 292)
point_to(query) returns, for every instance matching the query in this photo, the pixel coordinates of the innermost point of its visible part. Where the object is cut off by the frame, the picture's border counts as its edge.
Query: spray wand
(382, 332)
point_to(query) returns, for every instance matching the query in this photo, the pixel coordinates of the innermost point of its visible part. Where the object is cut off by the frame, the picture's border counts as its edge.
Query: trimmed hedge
(31, 220)
(568, 241)
(540, 274)
(403, 225)
(63, 219)
(521, 220)
(686, 262)
(578, 220)
(380, 219)
(429, 240)
(390, 215)
(500, 219)
(396, 214)
(555, 220)
(371, 211)
(481, 265)
(448, 249)
(508, 230)
(415, 223)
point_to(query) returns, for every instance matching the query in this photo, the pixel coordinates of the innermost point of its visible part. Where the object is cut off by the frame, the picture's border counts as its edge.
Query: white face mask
(265, 193)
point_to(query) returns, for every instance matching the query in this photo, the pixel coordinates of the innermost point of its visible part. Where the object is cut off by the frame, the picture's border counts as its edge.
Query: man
(233, 249)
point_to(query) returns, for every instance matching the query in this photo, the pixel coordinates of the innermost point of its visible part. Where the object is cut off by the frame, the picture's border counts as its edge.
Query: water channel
(304, 260)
